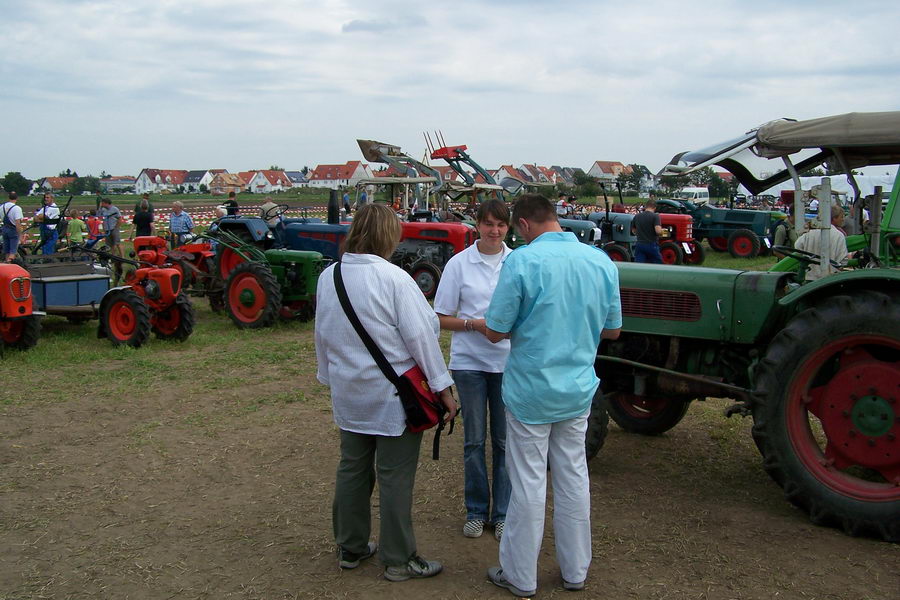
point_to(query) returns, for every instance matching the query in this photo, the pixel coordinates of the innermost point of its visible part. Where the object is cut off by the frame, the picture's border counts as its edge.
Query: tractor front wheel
(697, 255)
(125, 319)
(427, 276)
(21, 334)
(252, 296)
(743, 243)
(825, 414)
(597, 427)
(671, 253)
(719, 244)
(644, 414)
(177, 321)
(617, 253)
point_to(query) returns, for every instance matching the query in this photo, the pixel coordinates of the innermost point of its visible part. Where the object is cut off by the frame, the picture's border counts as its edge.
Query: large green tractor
(816, 365)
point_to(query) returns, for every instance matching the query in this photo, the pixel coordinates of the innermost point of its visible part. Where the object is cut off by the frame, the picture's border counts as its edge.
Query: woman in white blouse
(375, 443)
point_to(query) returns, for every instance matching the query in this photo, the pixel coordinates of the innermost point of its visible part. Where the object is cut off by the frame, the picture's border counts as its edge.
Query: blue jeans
(647, 253)
(479, 392)
(50, 236)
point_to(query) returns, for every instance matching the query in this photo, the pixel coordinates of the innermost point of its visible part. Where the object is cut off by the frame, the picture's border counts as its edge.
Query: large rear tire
(645, 415)
(743, 243)
(617, 253)
(598, 426)
(21, 334)
(252, 296)
(825, 414)
(719, 244)
(176, 322)
(125, 319)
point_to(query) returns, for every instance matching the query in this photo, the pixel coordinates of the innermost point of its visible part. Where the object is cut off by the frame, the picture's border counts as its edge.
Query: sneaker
(497, 577)
(498, 530)
(473, 528)
(351, 560)
(573, 587)
(416, 568)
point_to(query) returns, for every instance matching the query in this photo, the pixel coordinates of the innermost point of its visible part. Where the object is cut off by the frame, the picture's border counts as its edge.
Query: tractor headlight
(269, 235)
(152, 290)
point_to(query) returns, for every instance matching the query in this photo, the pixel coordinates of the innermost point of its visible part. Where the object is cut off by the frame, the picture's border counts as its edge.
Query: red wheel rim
(669, 256)
(615, 255)
(849, 389)
(694, 257)
(640, 407)
(228, 261)
(122, 320)
(718, 243)
(742, 246)
(247, 298)
(168, 321)
(11, 331)
(426, 280)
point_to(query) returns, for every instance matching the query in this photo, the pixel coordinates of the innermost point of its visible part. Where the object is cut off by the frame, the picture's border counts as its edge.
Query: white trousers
(528, 450)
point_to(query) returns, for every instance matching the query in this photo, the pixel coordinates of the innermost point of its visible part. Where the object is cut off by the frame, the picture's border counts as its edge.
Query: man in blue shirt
(556, 298)
(180, 224)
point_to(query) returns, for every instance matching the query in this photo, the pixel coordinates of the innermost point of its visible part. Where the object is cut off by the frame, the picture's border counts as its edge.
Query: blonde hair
(375, 230)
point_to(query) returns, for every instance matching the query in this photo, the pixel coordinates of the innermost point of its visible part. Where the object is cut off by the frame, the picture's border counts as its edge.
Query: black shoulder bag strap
(376, 352)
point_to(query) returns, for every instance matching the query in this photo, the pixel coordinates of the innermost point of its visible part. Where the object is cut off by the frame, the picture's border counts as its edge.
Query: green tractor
(816, 365)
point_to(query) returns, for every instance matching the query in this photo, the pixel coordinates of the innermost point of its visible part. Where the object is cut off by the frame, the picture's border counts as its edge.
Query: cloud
(383, 26)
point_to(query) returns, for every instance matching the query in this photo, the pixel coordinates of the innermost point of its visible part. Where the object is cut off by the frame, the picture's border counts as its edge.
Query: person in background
(375, 442)
(145, 197)
(75, 230)
(463, 295)
(142, 220)
(48, 217)
(180, 224)
(111, 219)
(555, 300)
(12, 223)
(785, 234)
(647, 228)
(816, 240)
(231, 204)
(92, 221)
(346, 202)
(267, 211)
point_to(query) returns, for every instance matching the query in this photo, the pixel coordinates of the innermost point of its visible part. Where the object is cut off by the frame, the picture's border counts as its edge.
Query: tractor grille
(20, 288)
(660, 304)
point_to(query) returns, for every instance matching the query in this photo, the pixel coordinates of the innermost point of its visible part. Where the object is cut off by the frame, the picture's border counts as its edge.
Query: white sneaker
(473, 528)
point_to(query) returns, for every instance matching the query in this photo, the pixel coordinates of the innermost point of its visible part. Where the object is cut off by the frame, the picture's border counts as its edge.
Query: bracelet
(465, 325)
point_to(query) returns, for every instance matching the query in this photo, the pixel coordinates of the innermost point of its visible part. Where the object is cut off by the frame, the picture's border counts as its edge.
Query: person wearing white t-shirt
(817, 240)
(48, 217)
(11, 219)
(462, 297)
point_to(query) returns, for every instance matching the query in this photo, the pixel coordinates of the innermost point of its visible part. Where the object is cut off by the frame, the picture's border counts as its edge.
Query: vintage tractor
(196, 261)
(743, 233)
(676, 247)
(20, 325)
(817, 365)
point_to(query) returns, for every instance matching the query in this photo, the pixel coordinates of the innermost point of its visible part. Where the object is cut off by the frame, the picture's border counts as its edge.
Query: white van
(697, 195)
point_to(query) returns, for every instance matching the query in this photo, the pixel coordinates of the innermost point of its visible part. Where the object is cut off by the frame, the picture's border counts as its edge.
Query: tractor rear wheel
(719, 244)
(126, 319)
(617, 253)
(252, 296)
(825, 414)
(21, 334)
(228, 259)
(697, 255)
(644, 414)
(671, 253)
(743, 243)
(177, 321)
(597, 427)
(427, 276)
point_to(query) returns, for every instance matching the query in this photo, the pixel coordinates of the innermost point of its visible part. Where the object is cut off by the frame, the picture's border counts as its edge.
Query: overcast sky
(235, 84)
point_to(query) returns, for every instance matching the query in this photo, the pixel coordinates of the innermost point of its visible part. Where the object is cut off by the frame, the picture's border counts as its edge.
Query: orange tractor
(20, 325)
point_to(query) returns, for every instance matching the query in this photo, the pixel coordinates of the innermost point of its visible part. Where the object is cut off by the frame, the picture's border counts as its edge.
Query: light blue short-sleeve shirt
(554, 297)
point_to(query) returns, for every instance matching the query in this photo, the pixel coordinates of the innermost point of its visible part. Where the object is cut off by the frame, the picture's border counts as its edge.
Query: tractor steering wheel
(276, 211)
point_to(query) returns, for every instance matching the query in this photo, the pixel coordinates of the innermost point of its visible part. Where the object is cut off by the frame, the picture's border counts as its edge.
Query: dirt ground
(198, 490)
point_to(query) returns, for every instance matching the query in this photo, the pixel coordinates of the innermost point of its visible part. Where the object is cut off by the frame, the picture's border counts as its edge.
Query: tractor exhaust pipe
(334, 207)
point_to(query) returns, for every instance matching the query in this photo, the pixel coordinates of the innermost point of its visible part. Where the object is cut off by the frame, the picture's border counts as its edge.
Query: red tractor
(150, 300)
(196, 261)
(425, 249)
(20, 326)
(679, 246)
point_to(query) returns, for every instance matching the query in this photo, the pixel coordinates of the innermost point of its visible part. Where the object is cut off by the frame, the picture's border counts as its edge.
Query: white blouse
(397, 317)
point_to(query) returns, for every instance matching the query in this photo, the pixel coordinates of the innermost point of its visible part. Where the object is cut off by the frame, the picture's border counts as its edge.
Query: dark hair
(493, 208)
(651, 203)
(534, 207)
(13, 196)
(231, 194)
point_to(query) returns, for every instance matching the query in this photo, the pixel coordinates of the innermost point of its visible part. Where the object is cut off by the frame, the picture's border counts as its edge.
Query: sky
(118, 86)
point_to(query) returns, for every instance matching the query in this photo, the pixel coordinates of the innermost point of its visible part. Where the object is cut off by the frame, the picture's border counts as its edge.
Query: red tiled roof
(173, 176)
(334, 172)
(447, 173)
(246, 176)
(58, 183)
(610, 166)
(276, 177)
(391, 171)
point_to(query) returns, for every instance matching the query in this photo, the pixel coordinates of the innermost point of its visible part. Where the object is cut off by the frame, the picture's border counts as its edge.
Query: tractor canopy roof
(844, 142)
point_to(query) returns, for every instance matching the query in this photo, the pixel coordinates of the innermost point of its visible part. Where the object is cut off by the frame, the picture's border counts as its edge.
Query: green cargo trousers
(394, 460)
